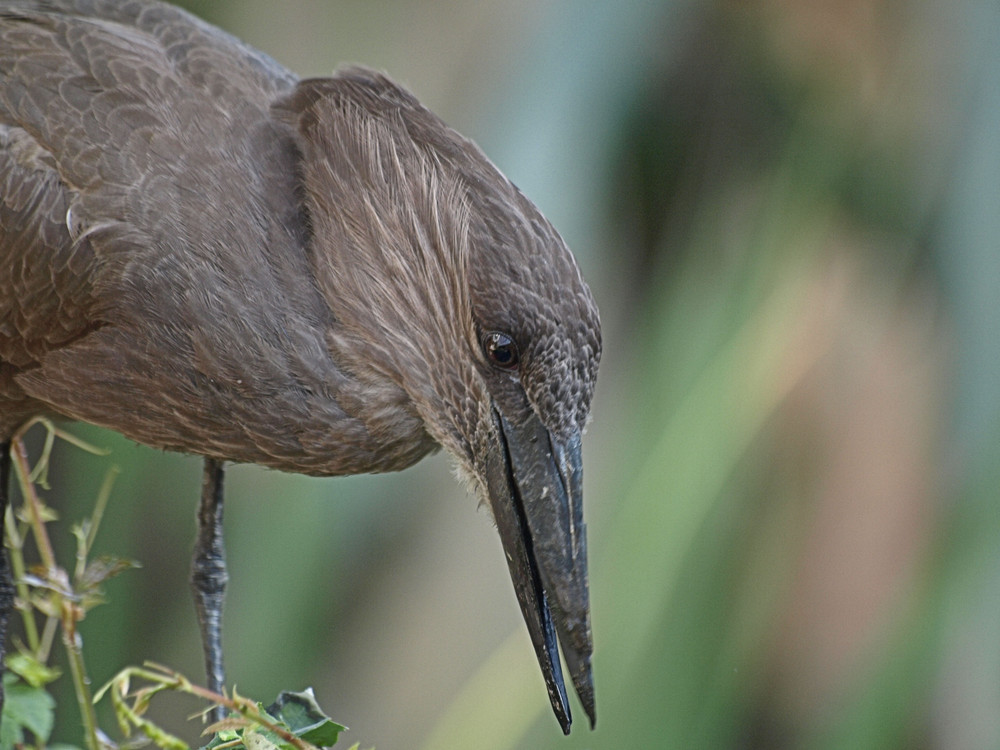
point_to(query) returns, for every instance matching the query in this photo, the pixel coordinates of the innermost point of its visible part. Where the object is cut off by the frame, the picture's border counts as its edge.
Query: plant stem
(167, 679)
(100, 506)
(48, 635)
(81, 683)
(15, 548)
(34, 507)
(69, 613)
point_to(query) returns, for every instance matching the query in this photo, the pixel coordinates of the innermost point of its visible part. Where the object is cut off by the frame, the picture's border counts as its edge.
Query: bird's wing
(33, 320)
(147, 116)
(116, 118)
(33, 205)
(139, 157)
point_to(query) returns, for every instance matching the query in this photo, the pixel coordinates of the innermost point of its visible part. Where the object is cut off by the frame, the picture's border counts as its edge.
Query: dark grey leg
(6, 578)
(208, 576)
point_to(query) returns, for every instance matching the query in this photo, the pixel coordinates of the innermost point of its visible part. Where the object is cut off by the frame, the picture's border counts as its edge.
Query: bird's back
(145, 189)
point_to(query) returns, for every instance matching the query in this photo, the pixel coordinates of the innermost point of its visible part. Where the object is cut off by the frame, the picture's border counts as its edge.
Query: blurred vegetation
(789, 214)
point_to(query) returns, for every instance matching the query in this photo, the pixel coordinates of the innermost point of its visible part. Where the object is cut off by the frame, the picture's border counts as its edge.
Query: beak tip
(560, 703)
(566, 720)
(585, 692)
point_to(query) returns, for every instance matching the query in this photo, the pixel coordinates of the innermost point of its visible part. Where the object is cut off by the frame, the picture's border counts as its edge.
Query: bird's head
(447, 285)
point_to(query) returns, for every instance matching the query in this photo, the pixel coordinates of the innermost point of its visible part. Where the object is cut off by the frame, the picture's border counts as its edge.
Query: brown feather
(209, 256)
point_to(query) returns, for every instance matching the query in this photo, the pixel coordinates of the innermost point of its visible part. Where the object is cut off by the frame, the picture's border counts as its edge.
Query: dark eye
(501, 350)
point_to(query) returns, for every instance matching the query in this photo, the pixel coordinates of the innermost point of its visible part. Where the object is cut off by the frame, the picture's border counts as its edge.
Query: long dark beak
(535, 489)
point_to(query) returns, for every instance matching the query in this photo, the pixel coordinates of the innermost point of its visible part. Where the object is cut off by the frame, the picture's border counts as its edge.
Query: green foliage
(51, 599)
(303, 716)
(26, 708)
(34, 672)
(295, 713)
(293, 722)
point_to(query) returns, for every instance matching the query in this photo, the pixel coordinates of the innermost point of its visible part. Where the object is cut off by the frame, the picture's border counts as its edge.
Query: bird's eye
(501, 350)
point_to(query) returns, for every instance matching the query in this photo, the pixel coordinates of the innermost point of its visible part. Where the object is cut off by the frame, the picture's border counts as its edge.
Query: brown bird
(209, 255)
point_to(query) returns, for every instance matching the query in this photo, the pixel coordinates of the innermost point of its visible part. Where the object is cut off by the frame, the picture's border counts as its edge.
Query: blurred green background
(789, 213)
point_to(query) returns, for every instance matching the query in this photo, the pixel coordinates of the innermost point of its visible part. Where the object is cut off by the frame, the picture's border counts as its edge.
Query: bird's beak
(535, 489)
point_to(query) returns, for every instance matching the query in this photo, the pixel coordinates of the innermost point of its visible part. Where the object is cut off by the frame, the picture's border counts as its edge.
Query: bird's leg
(208, 576)
(6, 579)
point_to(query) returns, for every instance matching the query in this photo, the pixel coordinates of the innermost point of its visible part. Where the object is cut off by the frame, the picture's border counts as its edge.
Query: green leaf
(224, 736)
(11, 734)
(25, 707)
(258, 741)
(30, 669)
(304, 717)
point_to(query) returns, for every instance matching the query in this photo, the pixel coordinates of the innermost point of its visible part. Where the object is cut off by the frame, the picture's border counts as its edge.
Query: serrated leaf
(27, 707)
(30, 669)
(303, 716)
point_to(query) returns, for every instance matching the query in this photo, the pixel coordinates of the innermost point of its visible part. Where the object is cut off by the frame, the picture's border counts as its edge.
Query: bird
(208, 254)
